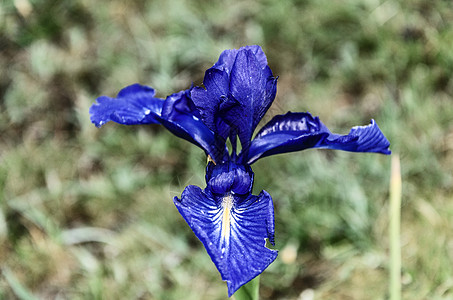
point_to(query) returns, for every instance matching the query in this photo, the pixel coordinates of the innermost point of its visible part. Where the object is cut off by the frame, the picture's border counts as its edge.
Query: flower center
(227, 204)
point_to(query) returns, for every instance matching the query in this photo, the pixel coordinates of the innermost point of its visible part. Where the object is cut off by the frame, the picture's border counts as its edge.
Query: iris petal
(253, 87)
(134, 104)
(367, 138)
(243, 180)
(299, 131)
(179, 102)
(209, 100)
(233, 231)
(229, 177)
(239, 89)
(228, 57)
(180, 117)
(221, 183)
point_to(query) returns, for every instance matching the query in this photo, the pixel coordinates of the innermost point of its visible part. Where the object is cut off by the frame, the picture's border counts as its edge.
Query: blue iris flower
(233, 225)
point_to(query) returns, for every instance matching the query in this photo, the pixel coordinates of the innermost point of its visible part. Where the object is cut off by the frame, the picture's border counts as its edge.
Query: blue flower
(233, 225)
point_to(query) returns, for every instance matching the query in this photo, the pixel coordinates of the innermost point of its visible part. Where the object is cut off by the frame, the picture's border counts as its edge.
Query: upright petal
(209, 100)
(228, 57)
(239, 89)
(233, 231)
(134, 104)
(299, 131)
(253, 88)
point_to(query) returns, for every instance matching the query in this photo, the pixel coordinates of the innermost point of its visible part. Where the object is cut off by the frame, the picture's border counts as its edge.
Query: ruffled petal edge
(298, 131)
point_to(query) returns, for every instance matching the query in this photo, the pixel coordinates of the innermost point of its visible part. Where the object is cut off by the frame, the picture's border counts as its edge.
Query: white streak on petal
(227, 204)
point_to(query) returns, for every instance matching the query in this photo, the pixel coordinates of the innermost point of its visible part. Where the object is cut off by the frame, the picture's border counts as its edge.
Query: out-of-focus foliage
(86, 213)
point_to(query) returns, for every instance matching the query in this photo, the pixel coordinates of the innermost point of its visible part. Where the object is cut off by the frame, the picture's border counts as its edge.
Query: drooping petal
(180, 117)
(253, 225)
(299, 131)
(134, 104)
(368, 138)
(179, 102)
(233, 231)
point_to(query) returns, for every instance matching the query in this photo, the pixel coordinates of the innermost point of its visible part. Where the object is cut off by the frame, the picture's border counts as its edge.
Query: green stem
(249, 291)
(394, 229)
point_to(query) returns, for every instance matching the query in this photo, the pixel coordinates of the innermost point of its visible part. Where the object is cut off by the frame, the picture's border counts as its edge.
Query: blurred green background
(87, 213)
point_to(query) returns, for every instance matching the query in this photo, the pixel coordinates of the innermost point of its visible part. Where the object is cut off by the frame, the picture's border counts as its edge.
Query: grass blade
(394, 229)
(19, 290)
